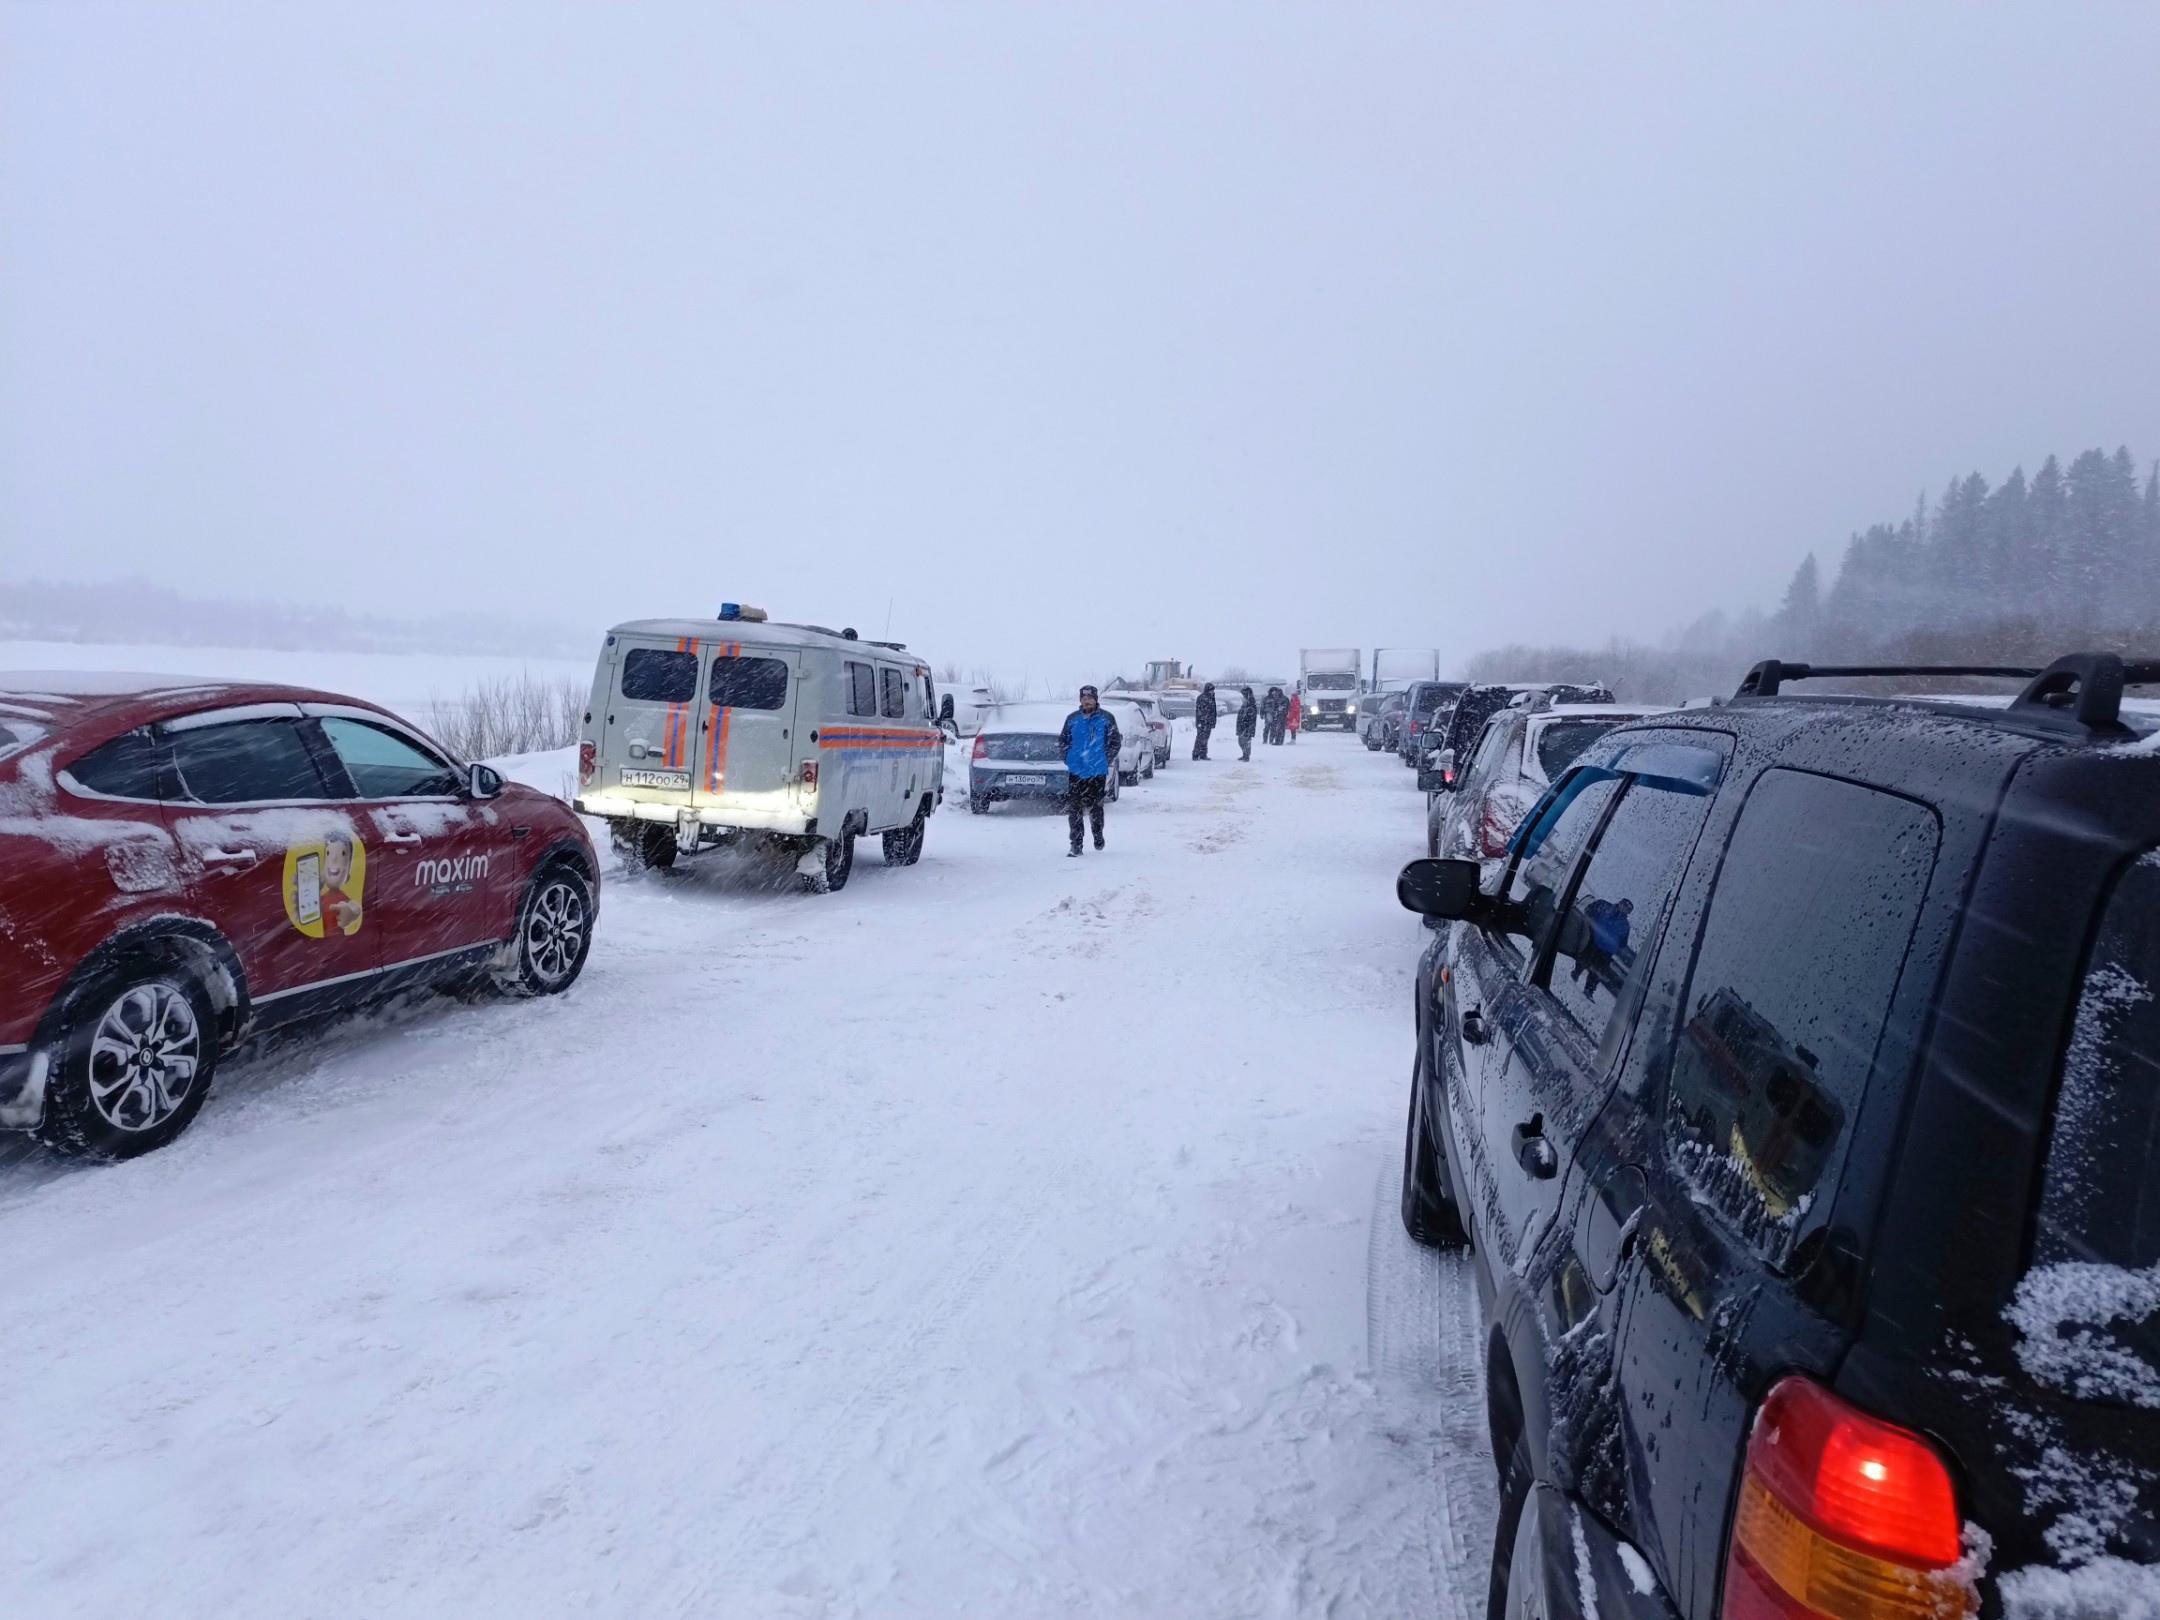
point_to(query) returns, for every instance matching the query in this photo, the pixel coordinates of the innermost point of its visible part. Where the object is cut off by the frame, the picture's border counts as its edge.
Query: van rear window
(650, 675)
(749, 683)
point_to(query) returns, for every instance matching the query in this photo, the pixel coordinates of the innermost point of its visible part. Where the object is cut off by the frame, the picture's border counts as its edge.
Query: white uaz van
(707, 732)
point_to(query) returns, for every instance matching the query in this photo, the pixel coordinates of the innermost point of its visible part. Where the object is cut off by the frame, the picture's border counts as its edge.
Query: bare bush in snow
(512, 714)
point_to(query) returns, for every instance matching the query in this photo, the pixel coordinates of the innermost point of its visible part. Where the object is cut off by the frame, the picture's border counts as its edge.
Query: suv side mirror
(944, 710)
(1431, 781)
(1447, 890)
(483, 781)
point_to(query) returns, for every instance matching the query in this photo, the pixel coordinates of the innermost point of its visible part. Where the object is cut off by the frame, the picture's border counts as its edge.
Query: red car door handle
(230, 857)
(401, 838)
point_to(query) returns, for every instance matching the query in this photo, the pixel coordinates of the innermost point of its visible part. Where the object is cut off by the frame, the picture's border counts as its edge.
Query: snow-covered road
(990, 1238)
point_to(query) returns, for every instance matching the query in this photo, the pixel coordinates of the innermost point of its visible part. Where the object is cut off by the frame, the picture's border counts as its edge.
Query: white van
(710, 732)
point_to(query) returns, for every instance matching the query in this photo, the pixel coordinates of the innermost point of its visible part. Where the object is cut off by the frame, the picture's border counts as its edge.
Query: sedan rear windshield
(1560, 743)
(1020, 745)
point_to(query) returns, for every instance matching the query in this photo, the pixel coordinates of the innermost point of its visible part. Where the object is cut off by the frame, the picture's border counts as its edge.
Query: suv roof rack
(2081, 690)
(1766, 677)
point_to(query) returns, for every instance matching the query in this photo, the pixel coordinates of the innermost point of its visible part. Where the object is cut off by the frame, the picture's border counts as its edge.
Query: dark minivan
(1796, 1080)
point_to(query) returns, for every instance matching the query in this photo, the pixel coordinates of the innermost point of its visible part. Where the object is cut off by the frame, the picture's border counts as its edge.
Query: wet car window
(893, 691)
(244, 762)
(1561, 743)
(1623, 890)
(383, 765)
(2100, 1199)
(749, 683)
(128, 767)
(1549, 847)
(1800, 958)
(650, 675)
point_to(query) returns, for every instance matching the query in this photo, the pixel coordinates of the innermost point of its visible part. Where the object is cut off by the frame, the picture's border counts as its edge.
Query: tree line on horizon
(2015, 574)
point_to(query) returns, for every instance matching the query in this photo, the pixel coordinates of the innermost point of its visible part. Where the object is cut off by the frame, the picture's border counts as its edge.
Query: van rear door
(747, 722)
(652, 718)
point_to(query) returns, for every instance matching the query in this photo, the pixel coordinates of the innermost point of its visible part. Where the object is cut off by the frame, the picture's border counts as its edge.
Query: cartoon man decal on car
(323, 883)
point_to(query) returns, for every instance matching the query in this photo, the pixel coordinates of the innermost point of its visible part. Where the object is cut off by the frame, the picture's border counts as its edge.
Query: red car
(182, 862)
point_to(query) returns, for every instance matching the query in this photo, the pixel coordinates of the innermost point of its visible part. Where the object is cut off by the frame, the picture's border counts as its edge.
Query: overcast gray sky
(1082, 334)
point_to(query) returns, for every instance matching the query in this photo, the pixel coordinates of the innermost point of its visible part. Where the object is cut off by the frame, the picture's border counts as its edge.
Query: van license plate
(1019, 780)
(655, 779)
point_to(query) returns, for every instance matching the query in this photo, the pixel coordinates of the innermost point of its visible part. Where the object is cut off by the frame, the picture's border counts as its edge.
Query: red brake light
(1841, 1517)
(809, 775)
(982, 748)
(587, 763)
(1412, 722)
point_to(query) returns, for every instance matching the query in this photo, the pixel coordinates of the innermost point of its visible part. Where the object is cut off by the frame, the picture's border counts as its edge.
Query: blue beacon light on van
(735, 610)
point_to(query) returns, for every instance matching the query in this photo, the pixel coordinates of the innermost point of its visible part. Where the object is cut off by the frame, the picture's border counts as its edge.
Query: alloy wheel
(555, 931)
(144, 1056)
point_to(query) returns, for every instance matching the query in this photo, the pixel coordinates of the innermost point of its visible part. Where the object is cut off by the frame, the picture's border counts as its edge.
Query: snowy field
(410, 683)
(992, 1238)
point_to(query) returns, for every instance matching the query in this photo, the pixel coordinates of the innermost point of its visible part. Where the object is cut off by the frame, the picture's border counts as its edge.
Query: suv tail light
(1841, 1517)
(1498, 816)
(588, 761)
(1413, 725)
(982, 748)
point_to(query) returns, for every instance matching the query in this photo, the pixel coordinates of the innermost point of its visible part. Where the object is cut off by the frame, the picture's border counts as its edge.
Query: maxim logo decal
(467, 869)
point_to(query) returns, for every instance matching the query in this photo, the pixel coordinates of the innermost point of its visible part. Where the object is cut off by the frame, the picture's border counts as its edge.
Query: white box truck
(1328, 687)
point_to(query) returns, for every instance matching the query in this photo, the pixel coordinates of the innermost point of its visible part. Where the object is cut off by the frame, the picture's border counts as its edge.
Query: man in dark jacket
(1091, 743)
(1277, 710)
(1203, 720)
(1248, 721)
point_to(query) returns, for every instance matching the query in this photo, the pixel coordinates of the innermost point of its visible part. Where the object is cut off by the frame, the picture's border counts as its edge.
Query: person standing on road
(1203, 720)
(1277, 707)
(1248, 721)
(1091, 743)
(1296, 715)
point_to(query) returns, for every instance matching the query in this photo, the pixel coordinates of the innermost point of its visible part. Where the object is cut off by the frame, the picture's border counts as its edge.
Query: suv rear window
(1560, 744)
(749, 683)
(2100, 1198)
(1800, 959)
(651, 675)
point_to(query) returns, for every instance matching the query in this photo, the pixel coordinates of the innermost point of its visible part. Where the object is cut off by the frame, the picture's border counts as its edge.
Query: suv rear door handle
(1533, 1152)
(1473, 1027)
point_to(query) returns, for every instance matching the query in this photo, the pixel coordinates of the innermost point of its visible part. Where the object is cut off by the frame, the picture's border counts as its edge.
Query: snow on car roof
(1028, 717)
(756, 633)
(74, 685)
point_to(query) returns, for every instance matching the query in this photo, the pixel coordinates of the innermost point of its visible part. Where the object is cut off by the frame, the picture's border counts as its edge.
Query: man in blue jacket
(1091, 743)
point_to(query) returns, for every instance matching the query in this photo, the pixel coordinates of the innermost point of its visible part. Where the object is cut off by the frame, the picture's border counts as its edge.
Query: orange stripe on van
(716, 723)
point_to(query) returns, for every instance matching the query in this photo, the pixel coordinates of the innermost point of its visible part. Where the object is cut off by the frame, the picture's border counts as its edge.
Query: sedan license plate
(1019, 779)
(655, 779)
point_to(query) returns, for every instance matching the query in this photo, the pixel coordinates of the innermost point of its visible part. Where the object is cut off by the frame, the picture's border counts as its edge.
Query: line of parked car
(1791, 1070)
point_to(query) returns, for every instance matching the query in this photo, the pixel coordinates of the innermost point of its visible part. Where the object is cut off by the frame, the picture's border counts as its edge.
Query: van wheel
(903, 845)
(554, 935)
(1428, 1214)
(643, 844)
(835, 859)
(136, 1051)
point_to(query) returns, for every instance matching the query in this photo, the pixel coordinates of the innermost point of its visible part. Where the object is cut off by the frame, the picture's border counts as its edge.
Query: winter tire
(136, 1051)
(554, 935)
(645, 844)
(836, 861)
(1147, 771)
(978, 805)
(1428, 1214)
(1515, 1542)
(903, 845)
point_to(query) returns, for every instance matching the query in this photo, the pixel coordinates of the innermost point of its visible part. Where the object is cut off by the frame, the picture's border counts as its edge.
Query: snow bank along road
(990, 1238)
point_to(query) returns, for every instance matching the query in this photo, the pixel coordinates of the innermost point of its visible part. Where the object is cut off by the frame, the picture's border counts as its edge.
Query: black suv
(1796, 1080)
(1427, 705)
